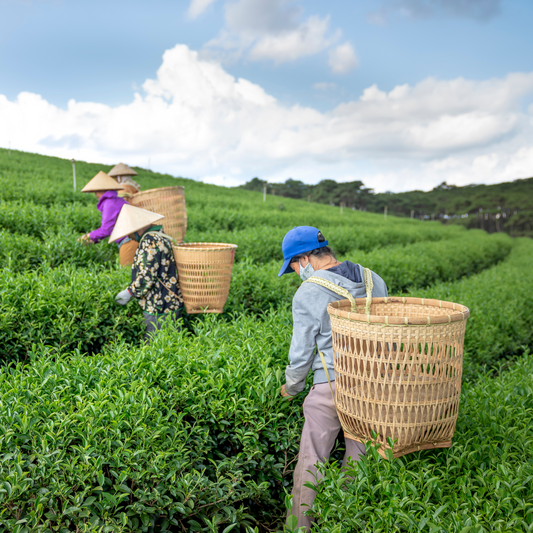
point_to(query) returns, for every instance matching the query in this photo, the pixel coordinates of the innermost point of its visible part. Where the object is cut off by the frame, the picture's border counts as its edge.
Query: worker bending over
(154, 276)
(306, 252)
(109, 204)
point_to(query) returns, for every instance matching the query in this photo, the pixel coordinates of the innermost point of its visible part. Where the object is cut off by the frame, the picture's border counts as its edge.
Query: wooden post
(73, 161)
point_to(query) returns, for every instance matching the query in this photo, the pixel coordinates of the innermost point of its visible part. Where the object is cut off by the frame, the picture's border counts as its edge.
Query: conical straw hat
(132, 219)
(102, 182)
(122, 170)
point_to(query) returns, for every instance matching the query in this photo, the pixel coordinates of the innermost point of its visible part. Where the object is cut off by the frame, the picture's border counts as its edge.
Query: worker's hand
(123, 297)
(86, 239)
(285, 394)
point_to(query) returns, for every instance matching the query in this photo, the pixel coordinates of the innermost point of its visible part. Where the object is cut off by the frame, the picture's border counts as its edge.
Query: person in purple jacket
(109, 204)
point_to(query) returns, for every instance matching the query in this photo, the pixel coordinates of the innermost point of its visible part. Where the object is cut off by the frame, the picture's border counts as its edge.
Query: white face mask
(307, 272)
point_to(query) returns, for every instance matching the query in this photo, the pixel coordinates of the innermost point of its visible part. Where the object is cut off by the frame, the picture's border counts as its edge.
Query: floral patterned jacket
(154, 277)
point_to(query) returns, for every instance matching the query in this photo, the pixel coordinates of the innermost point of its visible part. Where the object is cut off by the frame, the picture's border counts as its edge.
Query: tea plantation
(99, 433)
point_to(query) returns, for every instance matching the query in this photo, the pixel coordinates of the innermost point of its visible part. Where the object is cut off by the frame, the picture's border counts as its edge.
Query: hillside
(504, 207)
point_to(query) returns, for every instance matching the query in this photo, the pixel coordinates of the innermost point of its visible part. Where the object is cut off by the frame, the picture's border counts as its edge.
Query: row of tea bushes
(482, 484)
(425, 263)
(65, 308)
(262, 243)
(191, 432)
(501, 321)
(24, 252)
(257, 288)
(36, 220)
(68, 307)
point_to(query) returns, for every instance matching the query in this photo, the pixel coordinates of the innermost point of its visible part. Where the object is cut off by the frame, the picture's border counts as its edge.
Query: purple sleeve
(110, 212)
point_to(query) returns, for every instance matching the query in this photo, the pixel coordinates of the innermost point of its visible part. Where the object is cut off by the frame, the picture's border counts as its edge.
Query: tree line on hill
(504, 207)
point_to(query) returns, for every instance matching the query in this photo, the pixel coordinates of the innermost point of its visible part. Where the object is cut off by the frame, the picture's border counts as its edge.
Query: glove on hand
(123, 297)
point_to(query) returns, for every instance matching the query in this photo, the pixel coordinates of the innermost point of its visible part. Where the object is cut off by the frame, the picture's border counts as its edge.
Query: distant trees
(502, 207)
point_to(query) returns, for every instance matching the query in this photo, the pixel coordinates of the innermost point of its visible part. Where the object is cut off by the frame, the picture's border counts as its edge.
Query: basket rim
(159, 189)
(460, 313)
(205, 246)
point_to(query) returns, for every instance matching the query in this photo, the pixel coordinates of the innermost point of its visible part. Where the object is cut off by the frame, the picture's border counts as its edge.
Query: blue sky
(441, 101)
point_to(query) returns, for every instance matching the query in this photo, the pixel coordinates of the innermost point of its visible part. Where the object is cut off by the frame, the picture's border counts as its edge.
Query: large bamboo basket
(398, 370)
(204, 272)
(169, 202)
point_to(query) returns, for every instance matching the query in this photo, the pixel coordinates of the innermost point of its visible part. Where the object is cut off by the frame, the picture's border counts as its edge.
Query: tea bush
(65, 308)
(483, 483)
(499, 298)
(185, 433)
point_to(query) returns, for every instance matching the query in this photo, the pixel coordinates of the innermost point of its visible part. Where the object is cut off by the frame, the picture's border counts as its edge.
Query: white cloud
(270, 30)
(197, 7)
(194, 119)
(342, 59)
(307, 39)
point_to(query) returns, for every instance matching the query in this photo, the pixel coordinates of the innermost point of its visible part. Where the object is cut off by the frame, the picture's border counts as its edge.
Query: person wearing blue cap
(306, 252)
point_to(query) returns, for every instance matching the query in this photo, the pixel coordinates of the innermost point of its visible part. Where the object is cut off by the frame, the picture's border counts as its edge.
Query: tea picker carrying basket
(306, 252)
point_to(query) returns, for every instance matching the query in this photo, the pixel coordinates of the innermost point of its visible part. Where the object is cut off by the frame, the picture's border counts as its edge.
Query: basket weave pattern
(204, 271)
(169, 202)
(400, 380)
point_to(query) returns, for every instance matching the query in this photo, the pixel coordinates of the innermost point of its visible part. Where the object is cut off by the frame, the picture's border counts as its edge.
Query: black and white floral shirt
(154, 277)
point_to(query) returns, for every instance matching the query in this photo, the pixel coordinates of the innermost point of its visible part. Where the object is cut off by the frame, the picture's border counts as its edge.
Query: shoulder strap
(369, 286)
(341, 291)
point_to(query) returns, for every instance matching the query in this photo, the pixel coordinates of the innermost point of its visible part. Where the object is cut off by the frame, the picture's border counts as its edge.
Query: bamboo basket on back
(398, 366)
(169, 202)
(204, 271)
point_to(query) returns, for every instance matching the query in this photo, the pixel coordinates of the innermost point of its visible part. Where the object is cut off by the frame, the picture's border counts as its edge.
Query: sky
(400, 94)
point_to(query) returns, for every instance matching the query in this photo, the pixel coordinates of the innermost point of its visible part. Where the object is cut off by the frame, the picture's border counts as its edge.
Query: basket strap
(333, 396)
(334, 288)
(369, 285)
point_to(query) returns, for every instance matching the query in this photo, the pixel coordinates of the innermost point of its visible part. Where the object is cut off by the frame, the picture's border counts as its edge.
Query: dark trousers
(153, 323)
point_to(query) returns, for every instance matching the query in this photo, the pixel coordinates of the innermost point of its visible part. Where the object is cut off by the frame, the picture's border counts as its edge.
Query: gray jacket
(312, 327)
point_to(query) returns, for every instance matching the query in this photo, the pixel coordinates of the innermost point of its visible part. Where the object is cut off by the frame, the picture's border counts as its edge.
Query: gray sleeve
(301, 355)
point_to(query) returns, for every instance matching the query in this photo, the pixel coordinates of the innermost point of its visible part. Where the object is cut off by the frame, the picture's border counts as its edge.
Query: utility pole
(264, 193)
(73, 161)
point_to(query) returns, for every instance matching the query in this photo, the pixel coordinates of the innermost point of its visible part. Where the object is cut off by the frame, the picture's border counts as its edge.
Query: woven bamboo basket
(398, 370)
(204, 272)
(169, 202)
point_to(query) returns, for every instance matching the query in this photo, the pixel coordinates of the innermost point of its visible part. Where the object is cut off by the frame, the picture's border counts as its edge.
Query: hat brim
(286, 268)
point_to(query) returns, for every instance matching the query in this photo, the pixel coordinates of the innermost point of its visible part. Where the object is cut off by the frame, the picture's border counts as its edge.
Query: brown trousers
(126, 252)
(320, 430)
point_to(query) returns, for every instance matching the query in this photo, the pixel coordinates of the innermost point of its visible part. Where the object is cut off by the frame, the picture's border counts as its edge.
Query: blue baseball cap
(299, 240)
